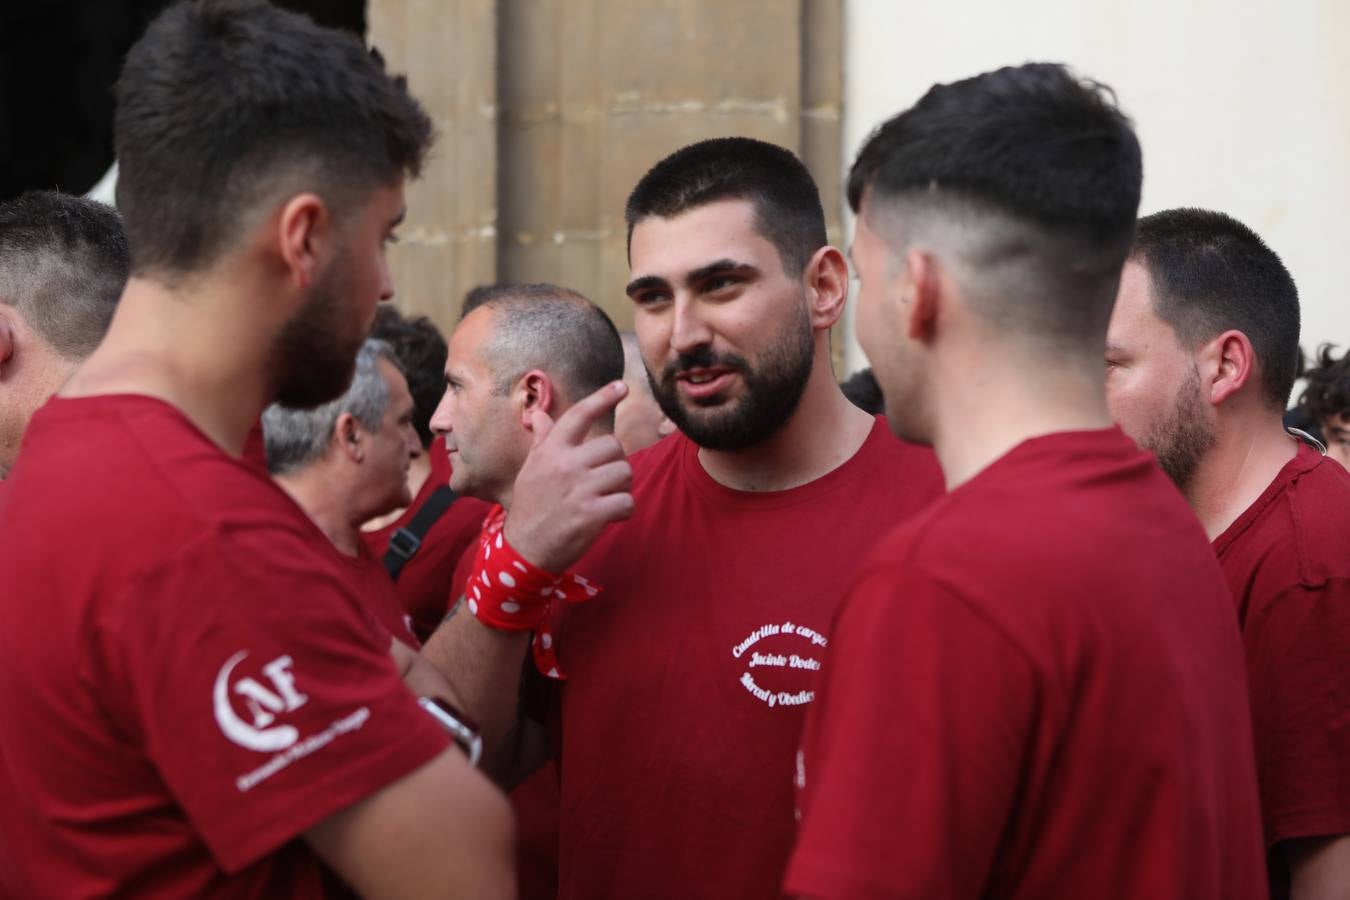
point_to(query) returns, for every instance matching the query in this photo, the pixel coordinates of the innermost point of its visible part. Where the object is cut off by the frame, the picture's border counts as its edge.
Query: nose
(440, 419)
(688, 330)
(413, 442)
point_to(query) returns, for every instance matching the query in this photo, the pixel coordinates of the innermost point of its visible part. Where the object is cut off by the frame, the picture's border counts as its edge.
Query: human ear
(535, 391)
(304, 233)
(826, 278)
(347, 435)
(925, 289)
(1228, 362)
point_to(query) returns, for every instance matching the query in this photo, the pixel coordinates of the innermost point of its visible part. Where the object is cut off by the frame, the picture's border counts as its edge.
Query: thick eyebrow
(645, 283)
(691, 278)
(721, 267)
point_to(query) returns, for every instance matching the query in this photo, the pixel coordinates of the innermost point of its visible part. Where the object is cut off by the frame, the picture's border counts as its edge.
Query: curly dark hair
(1328, 390)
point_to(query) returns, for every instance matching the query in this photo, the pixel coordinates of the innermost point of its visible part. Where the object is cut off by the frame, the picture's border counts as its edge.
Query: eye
(391, 238)
(718, 282)
(650, 298)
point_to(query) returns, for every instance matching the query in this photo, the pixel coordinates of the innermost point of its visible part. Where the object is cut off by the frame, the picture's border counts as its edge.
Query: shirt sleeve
(1298, 660)
(911, 753)
(266, 699)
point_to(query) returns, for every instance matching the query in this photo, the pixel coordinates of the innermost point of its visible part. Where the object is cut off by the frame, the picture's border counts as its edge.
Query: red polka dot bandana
(508, 592)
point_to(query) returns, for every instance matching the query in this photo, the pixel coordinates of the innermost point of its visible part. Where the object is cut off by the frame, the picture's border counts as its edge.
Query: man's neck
(822, 434)
(312, 491)
(982, 412)
(195, 349)
(1246, 458)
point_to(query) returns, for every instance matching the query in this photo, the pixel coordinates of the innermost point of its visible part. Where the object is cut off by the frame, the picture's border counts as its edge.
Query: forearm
(1319, 868)
(483, 668)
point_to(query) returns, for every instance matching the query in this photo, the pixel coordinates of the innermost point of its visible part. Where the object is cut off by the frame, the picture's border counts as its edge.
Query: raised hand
(569, 488)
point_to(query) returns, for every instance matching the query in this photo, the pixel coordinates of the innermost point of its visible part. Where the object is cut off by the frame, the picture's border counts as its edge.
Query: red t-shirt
(1035, 689)
(1287, 561)
(187, 680)
(426, 584)
(371, 582)
(690, 673)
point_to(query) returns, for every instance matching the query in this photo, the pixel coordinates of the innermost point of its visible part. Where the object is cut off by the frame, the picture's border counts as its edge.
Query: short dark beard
(1182, 439)
(311, 364)
(773, 390)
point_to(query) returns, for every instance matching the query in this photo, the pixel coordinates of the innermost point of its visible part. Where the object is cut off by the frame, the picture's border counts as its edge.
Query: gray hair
(295, 438)
(543, 326)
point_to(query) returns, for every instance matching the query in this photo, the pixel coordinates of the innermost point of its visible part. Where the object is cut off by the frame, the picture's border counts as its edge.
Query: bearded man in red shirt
(1201, 357)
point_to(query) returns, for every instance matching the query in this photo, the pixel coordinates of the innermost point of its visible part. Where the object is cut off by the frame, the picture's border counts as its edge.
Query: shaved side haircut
(63, 265)
(1030, 179)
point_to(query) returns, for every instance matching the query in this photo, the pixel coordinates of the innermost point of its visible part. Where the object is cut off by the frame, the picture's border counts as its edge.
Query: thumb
(540, 425)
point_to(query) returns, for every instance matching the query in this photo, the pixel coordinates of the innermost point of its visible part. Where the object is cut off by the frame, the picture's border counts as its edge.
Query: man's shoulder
(1301, 531)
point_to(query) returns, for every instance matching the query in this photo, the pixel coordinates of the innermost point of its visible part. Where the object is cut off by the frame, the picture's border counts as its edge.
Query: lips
(703, 382)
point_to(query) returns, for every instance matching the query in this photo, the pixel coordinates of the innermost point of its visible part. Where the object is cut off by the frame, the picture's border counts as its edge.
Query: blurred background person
(1326, 401)
(638, 419)
(63, 264)
(346, 461)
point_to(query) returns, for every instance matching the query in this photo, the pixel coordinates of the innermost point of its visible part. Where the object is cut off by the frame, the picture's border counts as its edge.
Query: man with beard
(684, 682)
(1035, 687)
(193, 700)
(1201, 357)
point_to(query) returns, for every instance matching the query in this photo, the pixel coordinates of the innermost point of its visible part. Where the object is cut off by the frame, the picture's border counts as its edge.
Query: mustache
(701, 358)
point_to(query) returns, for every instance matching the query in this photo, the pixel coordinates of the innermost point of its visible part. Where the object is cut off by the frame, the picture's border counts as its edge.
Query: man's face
(315, 353)
(881, 329)
(1153, 384)
(1336, 430)
(725, 333)
(483, 431)
(392, 447)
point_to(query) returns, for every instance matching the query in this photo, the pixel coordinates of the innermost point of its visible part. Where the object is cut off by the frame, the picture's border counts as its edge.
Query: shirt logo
(263, 704)
(780, 663)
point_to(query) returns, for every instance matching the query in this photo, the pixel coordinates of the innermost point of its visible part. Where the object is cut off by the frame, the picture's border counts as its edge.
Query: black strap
(406, 541)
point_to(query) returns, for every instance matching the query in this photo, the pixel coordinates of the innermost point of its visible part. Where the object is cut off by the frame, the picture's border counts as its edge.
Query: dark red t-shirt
(690, 673)
(1287, 561)
(1034, 690)
(371, 582)
(426, 585)
(188, 681)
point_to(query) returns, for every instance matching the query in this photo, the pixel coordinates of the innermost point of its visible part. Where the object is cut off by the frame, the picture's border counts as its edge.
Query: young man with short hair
(193, 699)
(1035, 687)
(687, 676)
(63, 264)
(1201, 357)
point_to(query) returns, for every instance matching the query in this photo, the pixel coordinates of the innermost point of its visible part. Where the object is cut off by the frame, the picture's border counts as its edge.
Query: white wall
(1241, 105)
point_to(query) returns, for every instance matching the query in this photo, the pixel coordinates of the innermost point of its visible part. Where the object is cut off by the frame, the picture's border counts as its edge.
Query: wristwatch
(463, 729)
